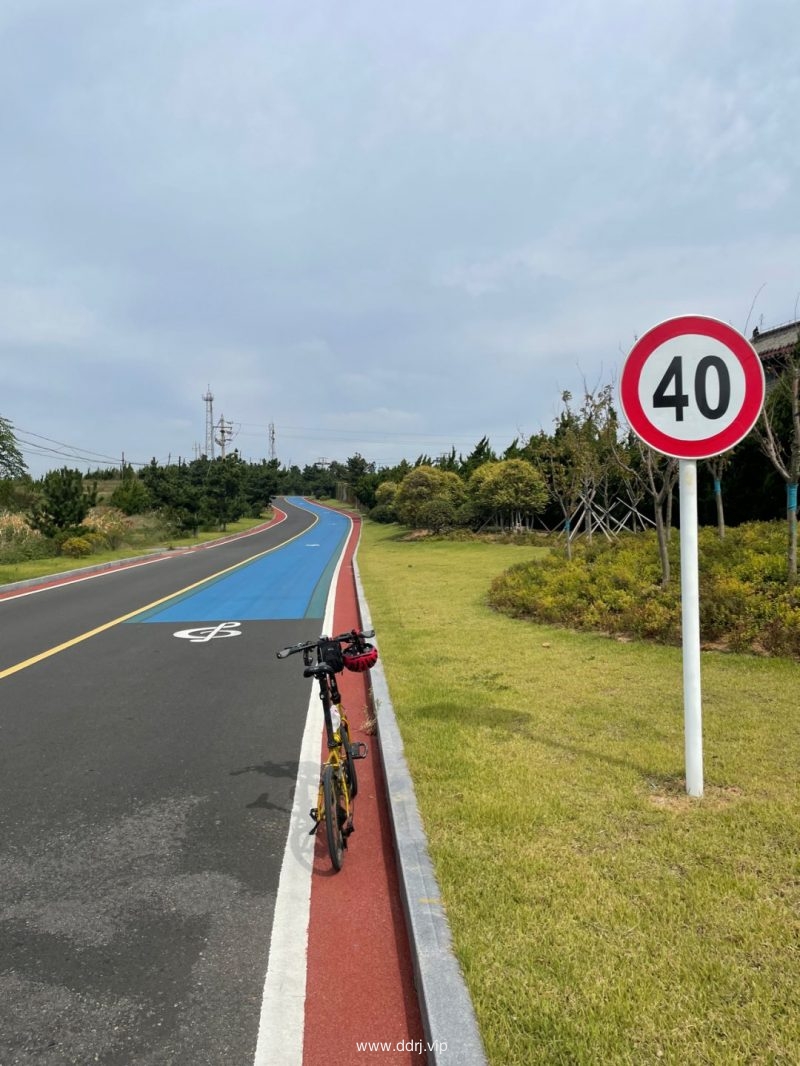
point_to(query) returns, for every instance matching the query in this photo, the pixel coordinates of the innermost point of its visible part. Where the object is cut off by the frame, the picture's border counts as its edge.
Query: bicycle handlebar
(352, 636)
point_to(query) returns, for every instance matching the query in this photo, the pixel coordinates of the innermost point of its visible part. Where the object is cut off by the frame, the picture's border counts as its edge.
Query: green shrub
(98, 541)
(745, 604)
(63, 535)
(383, 514)
(76, 547)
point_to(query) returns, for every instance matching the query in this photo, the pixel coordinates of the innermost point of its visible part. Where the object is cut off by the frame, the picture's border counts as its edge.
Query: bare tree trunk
(668, 512)
(785, 455)
(794, 469)
(791, 518)
(663, 550)
(656, 476)
(720, 508)
(717, 465)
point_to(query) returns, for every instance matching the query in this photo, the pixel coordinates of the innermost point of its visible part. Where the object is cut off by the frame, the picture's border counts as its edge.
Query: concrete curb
(65, 576)
(448, 1017)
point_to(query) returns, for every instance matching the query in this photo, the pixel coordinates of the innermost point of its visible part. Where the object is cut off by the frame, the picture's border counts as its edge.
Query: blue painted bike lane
(288, 582)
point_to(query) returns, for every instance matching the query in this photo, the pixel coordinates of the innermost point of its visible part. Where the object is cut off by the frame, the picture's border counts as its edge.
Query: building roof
(773, 344)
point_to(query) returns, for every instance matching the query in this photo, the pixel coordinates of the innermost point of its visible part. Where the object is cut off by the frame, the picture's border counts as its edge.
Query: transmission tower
(272, 454)
(208, 400)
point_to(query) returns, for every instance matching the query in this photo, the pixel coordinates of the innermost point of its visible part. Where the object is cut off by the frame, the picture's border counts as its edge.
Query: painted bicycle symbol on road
(203, 634)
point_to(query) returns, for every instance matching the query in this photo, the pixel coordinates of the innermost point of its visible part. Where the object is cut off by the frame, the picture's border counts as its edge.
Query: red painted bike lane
(361, 1004)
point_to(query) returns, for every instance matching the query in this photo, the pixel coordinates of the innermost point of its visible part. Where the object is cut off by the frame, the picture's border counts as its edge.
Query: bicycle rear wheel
(334, 815)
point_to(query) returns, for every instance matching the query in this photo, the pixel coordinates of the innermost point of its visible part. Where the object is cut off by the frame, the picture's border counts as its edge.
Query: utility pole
(272, 453)
(225, 431)
(208, 400)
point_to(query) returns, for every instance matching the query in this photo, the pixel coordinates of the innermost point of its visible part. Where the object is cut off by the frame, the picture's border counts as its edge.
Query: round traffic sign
(692, 387)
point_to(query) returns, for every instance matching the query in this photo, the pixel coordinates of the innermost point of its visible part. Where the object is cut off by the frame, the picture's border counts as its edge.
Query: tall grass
(599, 914)
(147, 534)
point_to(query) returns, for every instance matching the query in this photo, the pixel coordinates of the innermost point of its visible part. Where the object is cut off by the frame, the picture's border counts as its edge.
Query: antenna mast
(208, 400)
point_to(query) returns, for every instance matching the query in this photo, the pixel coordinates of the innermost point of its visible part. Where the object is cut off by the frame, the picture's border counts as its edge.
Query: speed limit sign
(692, 387)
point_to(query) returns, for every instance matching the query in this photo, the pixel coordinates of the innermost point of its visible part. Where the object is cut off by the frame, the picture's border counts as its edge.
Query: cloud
(43, 316)
(445, 213)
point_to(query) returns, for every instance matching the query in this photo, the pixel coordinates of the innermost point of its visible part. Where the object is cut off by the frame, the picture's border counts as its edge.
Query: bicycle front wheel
(331, 792)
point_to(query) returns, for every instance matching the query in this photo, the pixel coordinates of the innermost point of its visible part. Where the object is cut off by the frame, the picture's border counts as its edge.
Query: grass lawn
(143, 540)
(599, 914)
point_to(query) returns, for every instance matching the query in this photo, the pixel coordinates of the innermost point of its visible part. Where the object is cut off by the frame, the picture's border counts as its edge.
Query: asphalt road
(146, 782)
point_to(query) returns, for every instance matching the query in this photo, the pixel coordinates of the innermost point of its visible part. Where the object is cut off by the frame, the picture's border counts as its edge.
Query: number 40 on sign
(691, 388)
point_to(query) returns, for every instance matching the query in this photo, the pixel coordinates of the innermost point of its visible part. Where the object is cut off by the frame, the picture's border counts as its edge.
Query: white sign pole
(690, 615)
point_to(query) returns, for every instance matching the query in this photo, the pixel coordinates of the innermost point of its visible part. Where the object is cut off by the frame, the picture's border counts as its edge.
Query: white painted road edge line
(282, 1022)
(281, 1026)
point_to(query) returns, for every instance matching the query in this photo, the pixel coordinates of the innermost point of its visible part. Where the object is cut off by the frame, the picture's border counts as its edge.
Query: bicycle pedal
(358, 750)
(316, 821)
(348, 828)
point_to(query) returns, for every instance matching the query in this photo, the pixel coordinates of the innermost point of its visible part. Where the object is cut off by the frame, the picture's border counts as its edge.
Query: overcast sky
(384, 228)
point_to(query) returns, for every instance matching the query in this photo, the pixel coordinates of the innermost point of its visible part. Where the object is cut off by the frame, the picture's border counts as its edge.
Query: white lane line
(282, 1023)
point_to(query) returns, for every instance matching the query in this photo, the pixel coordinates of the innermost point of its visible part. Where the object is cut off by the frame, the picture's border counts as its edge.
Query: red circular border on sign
(754, 389)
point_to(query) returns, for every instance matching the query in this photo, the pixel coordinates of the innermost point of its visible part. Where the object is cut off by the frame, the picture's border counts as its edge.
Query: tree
(12, 464)
(383, 509)
(320, 480)
(17, 494)
(63, 503)
(365, 489)
(656, 475)
(358, 467)
(511, 491)
(563, 475)
(259, 485)
(585, 440)
(717, 464)
(131, 496)
(778, 433)
(480, 454)
(223, 500)
(176, 492)
(430, 499)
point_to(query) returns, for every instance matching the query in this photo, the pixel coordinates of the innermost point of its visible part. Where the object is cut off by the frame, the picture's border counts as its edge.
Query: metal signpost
(691, 388)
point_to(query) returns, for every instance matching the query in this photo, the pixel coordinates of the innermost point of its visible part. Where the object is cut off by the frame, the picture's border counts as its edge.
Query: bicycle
(323, 659)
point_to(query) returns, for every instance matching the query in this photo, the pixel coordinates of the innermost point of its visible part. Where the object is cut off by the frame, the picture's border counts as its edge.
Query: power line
(348, 433)
(73, 447)
(74, 452)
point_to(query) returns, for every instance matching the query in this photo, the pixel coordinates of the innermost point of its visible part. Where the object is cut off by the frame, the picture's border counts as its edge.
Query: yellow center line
(148, 607)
